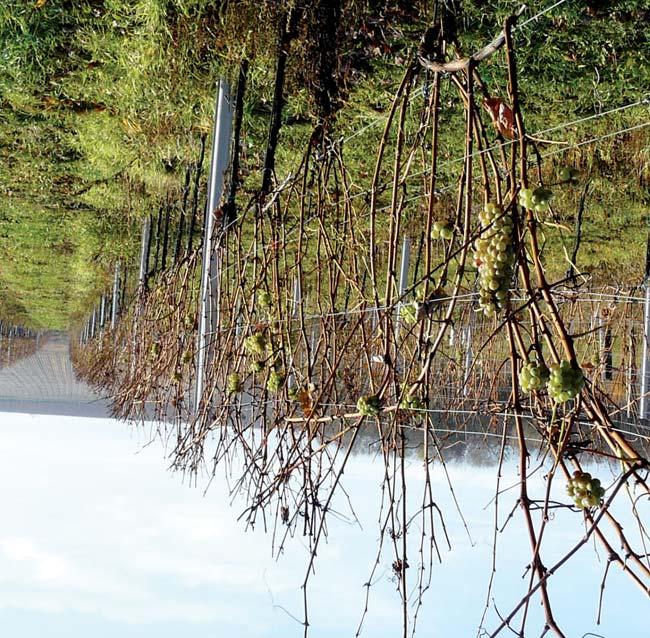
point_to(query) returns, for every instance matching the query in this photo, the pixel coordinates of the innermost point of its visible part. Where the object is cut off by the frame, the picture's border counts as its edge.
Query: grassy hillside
(102, 103)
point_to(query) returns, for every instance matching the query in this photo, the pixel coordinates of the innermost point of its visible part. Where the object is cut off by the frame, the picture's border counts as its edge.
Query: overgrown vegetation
(103, 102)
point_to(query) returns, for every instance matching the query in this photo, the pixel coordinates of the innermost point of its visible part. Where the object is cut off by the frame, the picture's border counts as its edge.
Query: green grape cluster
(538, 199)
(410, 401)
(256, 367)
(565, 382)
(569, 174)
(264, 299)
(408, 312)
(494, 257)
(256, 343)
(275, 381)
(444, 230)
(234, 384)
(585, 491)
(533, 377)
(369, 405)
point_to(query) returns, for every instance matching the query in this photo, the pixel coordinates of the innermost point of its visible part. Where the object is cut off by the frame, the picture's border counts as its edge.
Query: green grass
(96, 96)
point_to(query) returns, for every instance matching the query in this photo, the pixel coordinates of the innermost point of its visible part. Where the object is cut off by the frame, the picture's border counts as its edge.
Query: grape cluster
(538, 199)
(256, 343)
(565, 382)
(275, 381)
(256, 367)
(569, 174)
(444, 230)
(369, 405)
(234, 384)
(410, 401)
(264, 299)
(533, 377)
(494, 258)
(585, 491)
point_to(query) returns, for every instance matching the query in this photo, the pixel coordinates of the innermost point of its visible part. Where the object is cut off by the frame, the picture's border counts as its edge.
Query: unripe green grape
(256, 343)
(565, 382)
(275, 381)
(526, 197)
(494, 257)
(533, 376)
(265, 299)
(442, 229)
(447, 233)
(585, 490)
(585, 502)
(410, 401)
(256, 367)
(369, 405)
(593, 500)
(234, 384)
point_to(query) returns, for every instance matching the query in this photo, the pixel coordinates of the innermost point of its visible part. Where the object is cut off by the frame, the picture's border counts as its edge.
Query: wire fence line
(382, 118)
(559, 127)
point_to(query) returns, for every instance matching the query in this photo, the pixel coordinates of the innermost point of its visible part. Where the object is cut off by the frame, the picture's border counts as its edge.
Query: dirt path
(45, 383)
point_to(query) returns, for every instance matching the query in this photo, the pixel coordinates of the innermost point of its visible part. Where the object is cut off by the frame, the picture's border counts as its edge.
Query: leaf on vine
(306, 402)
(501, 115)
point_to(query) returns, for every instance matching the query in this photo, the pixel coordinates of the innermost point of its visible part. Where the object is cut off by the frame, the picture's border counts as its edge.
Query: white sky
(98, 538)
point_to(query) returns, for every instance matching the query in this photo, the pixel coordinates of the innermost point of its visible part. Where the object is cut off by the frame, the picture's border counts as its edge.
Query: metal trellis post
(209, 311)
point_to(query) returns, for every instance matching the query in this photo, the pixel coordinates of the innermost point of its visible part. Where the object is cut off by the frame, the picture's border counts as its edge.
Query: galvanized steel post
(643, 402)
(116, 296)
(209, 309)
